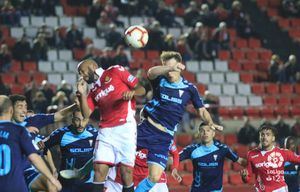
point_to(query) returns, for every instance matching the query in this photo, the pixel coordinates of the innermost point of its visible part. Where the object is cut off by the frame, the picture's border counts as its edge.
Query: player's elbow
(150, 74)
(154, 178)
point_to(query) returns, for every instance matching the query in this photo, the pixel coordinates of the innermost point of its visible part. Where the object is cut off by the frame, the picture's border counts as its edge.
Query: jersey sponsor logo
(130, 78)
(180, 93)
(211, 164)
(107, 79)
(81, 150)
(105, 92)
(274, 160)
(254, 156)
(172, 99)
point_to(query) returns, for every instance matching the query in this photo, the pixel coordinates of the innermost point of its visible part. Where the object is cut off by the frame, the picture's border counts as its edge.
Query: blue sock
(144, 186)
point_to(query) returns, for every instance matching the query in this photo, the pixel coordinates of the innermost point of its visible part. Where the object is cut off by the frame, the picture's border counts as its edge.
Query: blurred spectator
(30, 92)
(207, 17)
(165, 16)
(283, 129)
(277, 70)
(296, 128)
(60, 100)
(128, 8)
(9, 15)
(113, 38)
(212, 104)
(74, 38)
(94, 13)
(221, 12)
(221, 37)
(156, 37)
(48, 92)
(195, 34)
(236, 15)
(112, 13)
(121, 57)
(247, 135)
(40, 48)
(46, 31)
(169, 43)
(103, 24)
(183, 48)
(106, 59)
(5, 58)
(39, 103)
(291, 69)
(289, 8)
(204, 47)
(22, 49)
(245, 27)
(44, 7)
(90, 54)
(66, 88)
(4, 89)
(57, 39)
(191, 14)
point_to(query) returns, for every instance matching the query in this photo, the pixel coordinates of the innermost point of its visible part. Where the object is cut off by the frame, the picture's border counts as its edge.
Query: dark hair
(5, 104)
(203, 124)
(76, 110)
(286, 142)
(15, 98)
(268, 127)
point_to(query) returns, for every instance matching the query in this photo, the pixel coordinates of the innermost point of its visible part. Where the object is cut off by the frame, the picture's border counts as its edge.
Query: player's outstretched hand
(56, 183)
(176, 175)
(179, 67)
(128, 95)
(33, 130)
(217, 127)
(81, 86)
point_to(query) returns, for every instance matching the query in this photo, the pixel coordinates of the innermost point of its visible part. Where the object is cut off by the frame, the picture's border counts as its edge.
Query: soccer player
(171, 94)
(266, 163)
(15, 142)
(33, 178)
(76, 142)
(291, 170)
(113, 93)
(140, 172)
(208, 159)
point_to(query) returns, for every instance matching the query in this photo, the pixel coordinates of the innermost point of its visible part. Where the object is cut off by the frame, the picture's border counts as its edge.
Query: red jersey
(106, 94)
(268, 167)
(140, 170)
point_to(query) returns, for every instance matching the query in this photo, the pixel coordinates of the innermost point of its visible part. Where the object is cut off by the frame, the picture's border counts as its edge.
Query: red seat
(237, 167)
(295, 111)
(230, 139)
(187, 179)
(249, 66)
(272, 12)
(254, 43)
(241, 43)
(8, 78)
(238, 54)
(191, 77)
(296, 101)
(267, 112)
(242, 150)
(70, 11)
(286, 89)
(263, 66)
(247, 77)
(10, 42)
(265, 55)
(224, 112)
(15, 66)
(184, 139)
(258, 88)
(138, 54)
(151, 54)
(201, 88)
(38, 77)
(23, 78)
(253, 112)
(224, 55)
(147, 64)
(262, 3)
(237, 112)
(283, 111)
(284, 23)
(234, 65)
(227, 166)
(29, 66)
(235, 179)
(252, 54)
(297, 88)
(78, 54)
(5, 31)
(295, 22)
(272, 88)
(83, 11)
(270, 100)
(275, 3)
(188, 166)
(17, 89)
(225, 179)
(284, 100)
(135, 65)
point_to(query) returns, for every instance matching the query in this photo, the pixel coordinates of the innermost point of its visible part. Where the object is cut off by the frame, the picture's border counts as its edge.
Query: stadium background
(244, 63)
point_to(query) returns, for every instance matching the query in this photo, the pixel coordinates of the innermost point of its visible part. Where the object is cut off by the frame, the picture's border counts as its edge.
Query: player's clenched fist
(128, 95)
(179, 67)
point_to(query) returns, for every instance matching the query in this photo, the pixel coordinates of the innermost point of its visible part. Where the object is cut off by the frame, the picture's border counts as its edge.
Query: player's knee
(126, 174)
(100, 172)
(154, 178)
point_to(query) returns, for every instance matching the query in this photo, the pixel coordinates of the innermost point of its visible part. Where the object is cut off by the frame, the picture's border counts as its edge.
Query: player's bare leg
(155, 172)
(101, 171)
(127, 178)
(42, 184)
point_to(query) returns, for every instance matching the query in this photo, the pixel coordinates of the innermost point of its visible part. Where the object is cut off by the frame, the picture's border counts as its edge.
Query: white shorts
(160, 187)
(116, 145)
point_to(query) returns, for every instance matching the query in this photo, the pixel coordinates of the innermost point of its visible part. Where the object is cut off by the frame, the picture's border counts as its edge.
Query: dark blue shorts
(30, 176)
(156, 141)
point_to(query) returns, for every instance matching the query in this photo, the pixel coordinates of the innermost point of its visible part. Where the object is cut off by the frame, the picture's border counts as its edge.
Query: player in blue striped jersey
(208, 159)
(76, 143)
(15, 143)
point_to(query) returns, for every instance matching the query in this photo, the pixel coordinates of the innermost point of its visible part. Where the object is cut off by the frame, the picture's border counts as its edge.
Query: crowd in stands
(290, 8)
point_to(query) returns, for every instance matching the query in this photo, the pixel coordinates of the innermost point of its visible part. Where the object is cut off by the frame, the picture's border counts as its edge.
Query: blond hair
(167, 55)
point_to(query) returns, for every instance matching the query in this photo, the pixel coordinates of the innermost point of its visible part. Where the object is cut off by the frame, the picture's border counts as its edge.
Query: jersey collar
(99, 72)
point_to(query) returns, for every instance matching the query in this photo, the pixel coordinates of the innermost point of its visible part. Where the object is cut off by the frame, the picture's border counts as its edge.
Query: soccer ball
(136, 36)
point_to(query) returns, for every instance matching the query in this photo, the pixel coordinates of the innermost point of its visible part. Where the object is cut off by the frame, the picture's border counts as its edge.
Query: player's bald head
(86, 70)
(5, 105)
(85, 64)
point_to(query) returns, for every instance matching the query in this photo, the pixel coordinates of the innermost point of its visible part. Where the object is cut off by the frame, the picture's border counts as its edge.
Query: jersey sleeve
(291, 157)
(231, 154)
(186, 153)
(196, 98)
(175, 155)
(91, 102)
(130, 80)
(25, 142)
(54, 138)
(39, 120)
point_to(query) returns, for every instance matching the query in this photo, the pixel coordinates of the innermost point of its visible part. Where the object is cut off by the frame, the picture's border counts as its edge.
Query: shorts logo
(161, 156)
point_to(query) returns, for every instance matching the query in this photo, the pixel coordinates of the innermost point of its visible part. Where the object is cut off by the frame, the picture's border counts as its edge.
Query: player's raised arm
(247, 173)
(38, 162)
(156, 71)
(242, 162)
(83, 98)
(63, 113)
(205, 116)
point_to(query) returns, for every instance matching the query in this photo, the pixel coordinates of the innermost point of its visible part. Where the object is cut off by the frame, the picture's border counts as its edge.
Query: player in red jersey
(267, 163)
(113, 92)
(140, 172)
